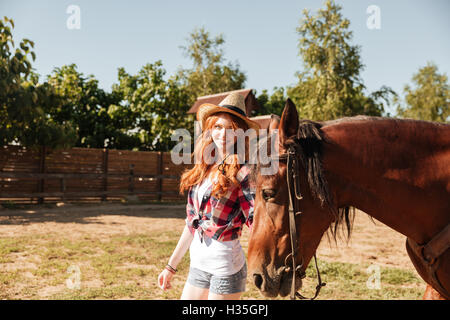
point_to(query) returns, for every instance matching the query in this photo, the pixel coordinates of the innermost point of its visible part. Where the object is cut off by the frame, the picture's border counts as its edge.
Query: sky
(260, 35)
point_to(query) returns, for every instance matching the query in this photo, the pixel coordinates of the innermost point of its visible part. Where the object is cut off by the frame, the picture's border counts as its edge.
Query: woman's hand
(164, 279)
(183, 244)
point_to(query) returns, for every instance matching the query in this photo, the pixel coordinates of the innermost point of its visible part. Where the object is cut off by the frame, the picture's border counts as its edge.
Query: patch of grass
(11, 245)
(51, 268)
(78, 247)
(399, 276)
(353, 281)
(105, 262)
(9, 278)
(110, 292)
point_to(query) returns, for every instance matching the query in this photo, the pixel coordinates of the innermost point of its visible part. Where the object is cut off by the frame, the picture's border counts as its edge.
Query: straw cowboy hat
(234, 103)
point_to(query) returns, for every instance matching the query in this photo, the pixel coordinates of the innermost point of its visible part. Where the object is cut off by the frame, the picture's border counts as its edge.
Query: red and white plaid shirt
(222, 219)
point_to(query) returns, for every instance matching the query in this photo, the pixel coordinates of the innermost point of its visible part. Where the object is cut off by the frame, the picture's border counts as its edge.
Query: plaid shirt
(222, 219)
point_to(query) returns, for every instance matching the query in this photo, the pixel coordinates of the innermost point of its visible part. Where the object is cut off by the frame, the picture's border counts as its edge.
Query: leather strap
(429, 254)
(438, 245)
(293, 182)
(318, 287)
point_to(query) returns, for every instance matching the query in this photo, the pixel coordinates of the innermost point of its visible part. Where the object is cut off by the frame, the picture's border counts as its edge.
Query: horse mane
(310, 138)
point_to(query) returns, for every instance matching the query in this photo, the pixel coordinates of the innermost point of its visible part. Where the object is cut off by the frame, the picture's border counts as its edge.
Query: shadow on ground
(81, 213)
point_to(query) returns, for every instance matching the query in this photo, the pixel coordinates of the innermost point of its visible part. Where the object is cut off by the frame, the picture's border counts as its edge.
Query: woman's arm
(183, 245)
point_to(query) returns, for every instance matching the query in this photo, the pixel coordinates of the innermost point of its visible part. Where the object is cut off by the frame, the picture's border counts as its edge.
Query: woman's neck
(212, 172)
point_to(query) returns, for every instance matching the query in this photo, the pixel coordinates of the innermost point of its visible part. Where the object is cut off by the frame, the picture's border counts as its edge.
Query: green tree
(24, 103)
(331, 85)
(209, 74)
(150, 107)
(270, 104)
(85, 106)
(428, 98)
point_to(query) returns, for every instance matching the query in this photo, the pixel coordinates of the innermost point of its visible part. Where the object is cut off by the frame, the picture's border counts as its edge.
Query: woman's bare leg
(191, 292)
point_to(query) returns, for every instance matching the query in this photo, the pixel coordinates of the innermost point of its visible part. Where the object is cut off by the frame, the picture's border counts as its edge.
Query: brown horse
(397, 171)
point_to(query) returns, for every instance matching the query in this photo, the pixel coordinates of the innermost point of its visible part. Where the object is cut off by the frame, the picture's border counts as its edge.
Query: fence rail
(79, 173)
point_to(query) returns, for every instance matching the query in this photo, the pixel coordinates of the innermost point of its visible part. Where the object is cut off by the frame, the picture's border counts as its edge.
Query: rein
(293, 182)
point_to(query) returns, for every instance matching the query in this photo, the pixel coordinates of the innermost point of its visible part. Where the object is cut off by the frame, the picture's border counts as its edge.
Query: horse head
(270, 247)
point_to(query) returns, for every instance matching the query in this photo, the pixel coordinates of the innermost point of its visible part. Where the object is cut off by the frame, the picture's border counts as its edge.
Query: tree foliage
(209, 74)
(428, 98)
(85, 107)
(150, 107)
(271, 103)
(330, 86)
(24, 103)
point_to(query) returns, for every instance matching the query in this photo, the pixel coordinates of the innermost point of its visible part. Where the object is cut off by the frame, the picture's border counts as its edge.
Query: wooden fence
(81, 174)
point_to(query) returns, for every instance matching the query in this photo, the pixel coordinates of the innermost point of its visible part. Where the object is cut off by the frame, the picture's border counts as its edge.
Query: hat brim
(207, 109)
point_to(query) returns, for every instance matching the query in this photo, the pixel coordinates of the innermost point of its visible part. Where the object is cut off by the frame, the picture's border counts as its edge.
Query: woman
(219, 202)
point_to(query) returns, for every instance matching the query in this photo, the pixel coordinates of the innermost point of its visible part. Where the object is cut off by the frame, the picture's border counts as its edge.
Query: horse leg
(431, 294)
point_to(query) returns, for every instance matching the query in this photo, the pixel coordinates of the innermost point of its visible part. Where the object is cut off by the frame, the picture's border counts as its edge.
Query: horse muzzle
(279, 284)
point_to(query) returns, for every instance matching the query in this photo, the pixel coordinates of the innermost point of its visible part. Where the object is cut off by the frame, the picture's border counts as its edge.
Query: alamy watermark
(374, 19)
(374, 281)
(73, 22)
(74, 280)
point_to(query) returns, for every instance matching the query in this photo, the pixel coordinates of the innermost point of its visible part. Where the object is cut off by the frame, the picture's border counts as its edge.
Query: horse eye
(268, 193)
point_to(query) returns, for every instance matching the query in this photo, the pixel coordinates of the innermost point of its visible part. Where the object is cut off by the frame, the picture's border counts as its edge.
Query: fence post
(63, 188)
(105, 173)
(131, 180)
(160, 172)
(41, 170)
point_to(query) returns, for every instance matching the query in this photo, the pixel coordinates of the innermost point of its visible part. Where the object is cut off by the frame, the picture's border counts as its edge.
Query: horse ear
(289, 121)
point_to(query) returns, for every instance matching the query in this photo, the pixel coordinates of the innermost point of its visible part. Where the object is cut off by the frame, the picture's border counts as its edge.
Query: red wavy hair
(202, 169)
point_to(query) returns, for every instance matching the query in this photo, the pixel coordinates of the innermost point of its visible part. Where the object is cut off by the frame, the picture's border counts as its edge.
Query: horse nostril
(257, 278)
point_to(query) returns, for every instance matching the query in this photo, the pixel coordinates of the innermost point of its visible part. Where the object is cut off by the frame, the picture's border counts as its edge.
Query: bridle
(293, 182)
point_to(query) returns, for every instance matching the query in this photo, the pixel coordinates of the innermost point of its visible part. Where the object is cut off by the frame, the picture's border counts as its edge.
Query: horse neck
(371, 166)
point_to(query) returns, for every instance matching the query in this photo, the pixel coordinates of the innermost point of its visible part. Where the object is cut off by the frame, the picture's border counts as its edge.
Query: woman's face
(218, 132)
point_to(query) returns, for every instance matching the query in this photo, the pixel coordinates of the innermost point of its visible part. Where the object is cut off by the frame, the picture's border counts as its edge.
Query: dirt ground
(371, 242)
